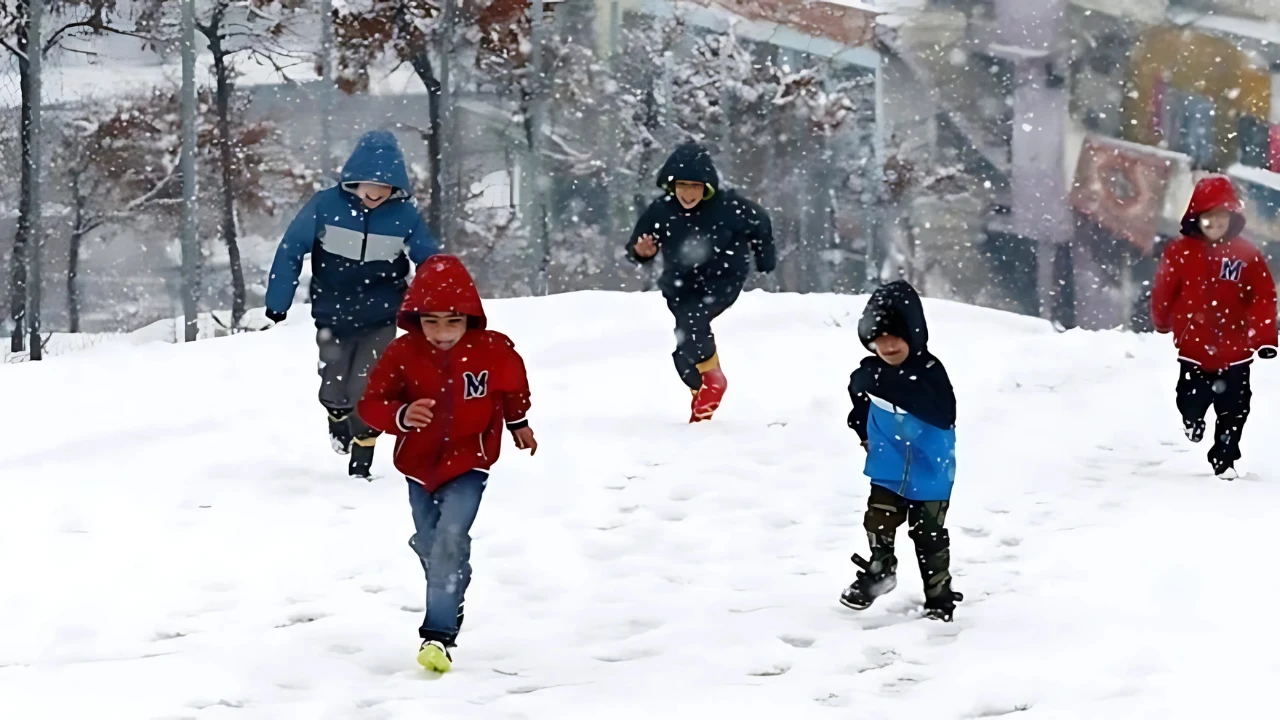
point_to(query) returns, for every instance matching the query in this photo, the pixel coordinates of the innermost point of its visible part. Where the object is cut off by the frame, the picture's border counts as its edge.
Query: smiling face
(892, 349)
(1215, 224)
(689, 193)
(373, 194)
(443, 329)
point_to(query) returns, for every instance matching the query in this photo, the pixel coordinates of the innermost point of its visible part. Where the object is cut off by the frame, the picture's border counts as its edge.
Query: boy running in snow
(356, 234)
(1213, 291)
(705, 234)
(904, 410)
(445, 390)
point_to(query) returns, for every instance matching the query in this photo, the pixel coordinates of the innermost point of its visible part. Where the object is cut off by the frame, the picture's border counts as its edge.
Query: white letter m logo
(1231, 269)
(477, 386)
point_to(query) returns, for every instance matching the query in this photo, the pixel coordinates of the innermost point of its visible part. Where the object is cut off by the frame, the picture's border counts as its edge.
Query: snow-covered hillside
(178, 541)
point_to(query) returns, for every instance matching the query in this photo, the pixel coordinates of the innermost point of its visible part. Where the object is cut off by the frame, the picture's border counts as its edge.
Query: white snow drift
(177, 540)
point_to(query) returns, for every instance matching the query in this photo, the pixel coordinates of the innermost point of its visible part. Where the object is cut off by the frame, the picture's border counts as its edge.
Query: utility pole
(1033, 36)
(326, 86)
(537, 90)
(449, 152)
(35, 44)
(190, 242)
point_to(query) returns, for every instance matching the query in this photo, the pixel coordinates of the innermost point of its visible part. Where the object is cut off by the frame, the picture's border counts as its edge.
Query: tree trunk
(18, 263)
(73, 256)
(222, 102)
(422, 67)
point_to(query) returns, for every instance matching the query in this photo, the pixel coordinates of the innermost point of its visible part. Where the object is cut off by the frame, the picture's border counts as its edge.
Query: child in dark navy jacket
(361, 236)
(904, 410)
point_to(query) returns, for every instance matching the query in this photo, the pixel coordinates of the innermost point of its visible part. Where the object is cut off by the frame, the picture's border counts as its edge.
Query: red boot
(714, 385)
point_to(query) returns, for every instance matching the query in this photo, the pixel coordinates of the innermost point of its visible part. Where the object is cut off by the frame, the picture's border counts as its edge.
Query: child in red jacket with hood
(445, 390)
(1213, 291)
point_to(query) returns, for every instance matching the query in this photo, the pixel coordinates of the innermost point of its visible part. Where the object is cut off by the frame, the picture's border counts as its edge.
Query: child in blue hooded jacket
(361, 236)
(904, 410)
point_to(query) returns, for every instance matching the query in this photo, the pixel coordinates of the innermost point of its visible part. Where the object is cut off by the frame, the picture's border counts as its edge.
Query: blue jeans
(442, 539)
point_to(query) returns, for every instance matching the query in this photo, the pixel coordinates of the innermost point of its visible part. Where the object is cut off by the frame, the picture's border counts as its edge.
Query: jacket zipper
(364, 244)
(483, 454)
(906, 472)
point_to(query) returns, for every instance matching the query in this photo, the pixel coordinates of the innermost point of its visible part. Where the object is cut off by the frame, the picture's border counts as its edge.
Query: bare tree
(73, 20)
(257, 28)
(119, 163)
(403, 30)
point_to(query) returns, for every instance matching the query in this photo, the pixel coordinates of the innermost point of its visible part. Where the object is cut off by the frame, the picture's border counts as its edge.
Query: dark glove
(277, 317)
(1267, 353)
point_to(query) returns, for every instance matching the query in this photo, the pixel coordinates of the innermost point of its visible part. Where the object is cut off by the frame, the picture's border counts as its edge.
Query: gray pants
(345, 363)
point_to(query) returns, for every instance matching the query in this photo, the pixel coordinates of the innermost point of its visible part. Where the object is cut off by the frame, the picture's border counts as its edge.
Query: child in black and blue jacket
(904, 410)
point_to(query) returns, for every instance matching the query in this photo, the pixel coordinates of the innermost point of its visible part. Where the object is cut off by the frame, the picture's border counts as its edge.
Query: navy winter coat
(905, 414)
(706, 251)
(358, 262)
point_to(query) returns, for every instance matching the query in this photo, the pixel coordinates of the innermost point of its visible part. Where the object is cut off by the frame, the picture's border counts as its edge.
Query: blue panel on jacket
(909, 456)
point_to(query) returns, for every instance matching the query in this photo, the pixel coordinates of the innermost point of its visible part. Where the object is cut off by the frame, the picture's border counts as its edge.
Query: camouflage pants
(886, 511)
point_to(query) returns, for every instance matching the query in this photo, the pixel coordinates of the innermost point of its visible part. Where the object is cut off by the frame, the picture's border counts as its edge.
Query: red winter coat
(1217, 298)
(478, 385)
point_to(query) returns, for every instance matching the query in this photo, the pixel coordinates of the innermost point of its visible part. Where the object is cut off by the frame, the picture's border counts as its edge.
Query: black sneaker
(876, 578)
(942, 606)
(1194, 429)
(361, 464)
(340, 431)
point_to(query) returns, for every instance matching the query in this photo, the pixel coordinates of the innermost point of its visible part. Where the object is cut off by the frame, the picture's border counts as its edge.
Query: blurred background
(1028, 155)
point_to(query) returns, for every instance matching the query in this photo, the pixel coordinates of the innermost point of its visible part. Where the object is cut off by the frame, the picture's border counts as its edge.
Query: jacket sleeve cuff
(400, 419)
(514, 425)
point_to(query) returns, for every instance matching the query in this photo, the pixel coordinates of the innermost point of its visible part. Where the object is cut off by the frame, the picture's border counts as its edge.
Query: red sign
(1122, 186)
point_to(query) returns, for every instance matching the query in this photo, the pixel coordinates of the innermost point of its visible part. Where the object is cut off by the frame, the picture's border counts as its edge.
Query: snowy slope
(177, 540)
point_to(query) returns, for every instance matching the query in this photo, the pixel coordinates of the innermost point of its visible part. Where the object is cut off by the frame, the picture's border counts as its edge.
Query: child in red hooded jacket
(445, 390)
(1213, 291)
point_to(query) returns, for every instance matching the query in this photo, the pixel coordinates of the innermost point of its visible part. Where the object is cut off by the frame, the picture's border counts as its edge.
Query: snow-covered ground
(177, 540)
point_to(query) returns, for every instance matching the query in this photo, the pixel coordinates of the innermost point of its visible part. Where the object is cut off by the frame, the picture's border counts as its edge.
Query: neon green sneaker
(434, 656)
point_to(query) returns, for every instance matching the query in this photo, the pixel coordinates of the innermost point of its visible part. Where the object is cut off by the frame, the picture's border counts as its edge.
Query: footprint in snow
(1001, 710)
(627, 655)
(797, 641)
(771, 671)
(832, 700)
(300, 619)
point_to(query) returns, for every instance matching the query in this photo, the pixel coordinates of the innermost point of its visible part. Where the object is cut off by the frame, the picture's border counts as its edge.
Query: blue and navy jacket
(905, 414)
(358, 256)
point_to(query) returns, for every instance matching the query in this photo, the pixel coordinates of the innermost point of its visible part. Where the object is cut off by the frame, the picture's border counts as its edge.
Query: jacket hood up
(895, 309)
(377, 158)
(442, 284)
(690, 162)
(1213, 193)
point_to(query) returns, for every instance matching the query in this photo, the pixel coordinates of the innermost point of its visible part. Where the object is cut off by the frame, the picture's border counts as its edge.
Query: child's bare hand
(646, 246)
(525, 440)
(419, 413)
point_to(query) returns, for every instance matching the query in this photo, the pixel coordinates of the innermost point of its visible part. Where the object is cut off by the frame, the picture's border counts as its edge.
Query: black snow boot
(942, 605)
(361, 464)
(933, 553)
(1194, 429)
(876, 577)
(340, 431)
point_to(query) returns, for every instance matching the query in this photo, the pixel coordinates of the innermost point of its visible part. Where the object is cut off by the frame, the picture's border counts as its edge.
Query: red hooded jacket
(478, 385)
(1217, 298)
